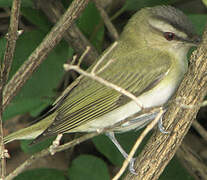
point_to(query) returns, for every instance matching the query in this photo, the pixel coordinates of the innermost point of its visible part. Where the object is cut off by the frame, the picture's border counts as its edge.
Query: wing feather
(91, 99)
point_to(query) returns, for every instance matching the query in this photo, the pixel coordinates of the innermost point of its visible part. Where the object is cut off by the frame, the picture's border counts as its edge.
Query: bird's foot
(131, 166)
(161, 128)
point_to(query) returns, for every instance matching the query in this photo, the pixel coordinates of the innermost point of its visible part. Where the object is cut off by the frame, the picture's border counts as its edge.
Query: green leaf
(108, 149)
(24, 3)
(199, 21)
(91, 25)
(39, 89)
(88, 167)
(37, 18)
(41, 174)
(31, 149)
(175, 170)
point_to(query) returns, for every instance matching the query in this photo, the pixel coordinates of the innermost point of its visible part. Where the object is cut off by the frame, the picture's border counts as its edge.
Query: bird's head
(162, 27)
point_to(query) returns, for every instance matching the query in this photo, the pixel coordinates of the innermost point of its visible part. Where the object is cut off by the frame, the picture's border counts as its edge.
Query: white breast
(156, 97)
(151, 99)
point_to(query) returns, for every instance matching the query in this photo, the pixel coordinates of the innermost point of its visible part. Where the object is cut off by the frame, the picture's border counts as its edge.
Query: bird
(149, 61)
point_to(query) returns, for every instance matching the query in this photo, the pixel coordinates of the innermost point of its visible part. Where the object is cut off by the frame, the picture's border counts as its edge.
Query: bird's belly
(155, 97)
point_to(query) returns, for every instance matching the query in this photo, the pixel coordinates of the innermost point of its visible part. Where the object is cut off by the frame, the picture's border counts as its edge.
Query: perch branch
(161, 147)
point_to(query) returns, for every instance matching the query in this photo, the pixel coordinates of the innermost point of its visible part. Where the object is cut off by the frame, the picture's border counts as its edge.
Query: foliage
(39, 92)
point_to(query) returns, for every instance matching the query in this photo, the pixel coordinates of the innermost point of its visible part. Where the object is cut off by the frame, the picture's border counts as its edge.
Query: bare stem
(83, 55)
(200, 130)
(56, 148)
(74, 37)
(112, 30)
(12, 36)
(40, 53)
(103, 57)
(63, 147)
(104, 82)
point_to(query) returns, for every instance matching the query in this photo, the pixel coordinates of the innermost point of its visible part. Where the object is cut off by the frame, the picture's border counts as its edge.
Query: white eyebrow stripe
(164, 27)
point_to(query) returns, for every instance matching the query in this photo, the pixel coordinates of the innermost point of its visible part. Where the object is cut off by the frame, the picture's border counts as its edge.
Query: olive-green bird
(149, 61)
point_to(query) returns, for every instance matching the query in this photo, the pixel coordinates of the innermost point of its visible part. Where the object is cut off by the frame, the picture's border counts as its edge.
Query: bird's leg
(123, 152)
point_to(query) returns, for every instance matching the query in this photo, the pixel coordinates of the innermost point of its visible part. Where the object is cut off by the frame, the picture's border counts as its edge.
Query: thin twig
(63, 147)
(112, 30)
(40, 53)
(58, 148)
(12, 36)
(200, 130)
(46, 152)
(83, 55)
(104, 82)
(74, 59)
(55, 144)
(72, 143)
(105, 66)
(191, 160)
(136, 145)
(71, 86)
(104, 57)
(107, 129)
(92, 75)
(74, 37)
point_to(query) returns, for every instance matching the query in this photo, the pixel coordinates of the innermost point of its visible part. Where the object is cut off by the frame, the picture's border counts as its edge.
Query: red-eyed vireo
(149, 61)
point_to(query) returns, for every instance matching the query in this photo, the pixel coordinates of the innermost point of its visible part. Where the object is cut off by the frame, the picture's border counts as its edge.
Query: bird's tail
(30, 132)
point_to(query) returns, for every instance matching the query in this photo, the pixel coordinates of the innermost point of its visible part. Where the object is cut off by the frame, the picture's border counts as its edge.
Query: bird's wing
(90, 99)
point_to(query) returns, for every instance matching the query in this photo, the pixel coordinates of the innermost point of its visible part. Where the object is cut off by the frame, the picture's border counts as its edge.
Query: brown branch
(192, 161)
(200, 130)
(74, 37)
(40, 53)
(104, 82)
(12, 36)
(112, 30)
(46, 152)
(161, 147)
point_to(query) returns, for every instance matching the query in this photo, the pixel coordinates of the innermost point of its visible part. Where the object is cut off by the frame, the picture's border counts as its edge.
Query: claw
(131, 166)
(161, 128)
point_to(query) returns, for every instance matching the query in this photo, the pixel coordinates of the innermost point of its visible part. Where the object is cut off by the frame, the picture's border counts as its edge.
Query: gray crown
(175, 17)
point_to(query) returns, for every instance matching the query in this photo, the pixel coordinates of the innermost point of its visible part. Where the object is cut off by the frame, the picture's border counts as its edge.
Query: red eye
(169, 36)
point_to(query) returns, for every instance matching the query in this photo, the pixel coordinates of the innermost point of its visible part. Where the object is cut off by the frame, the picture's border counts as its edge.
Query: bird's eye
(169, 36)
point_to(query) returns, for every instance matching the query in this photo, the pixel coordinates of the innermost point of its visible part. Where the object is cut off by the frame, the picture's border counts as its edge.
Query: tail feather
(30, 132)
